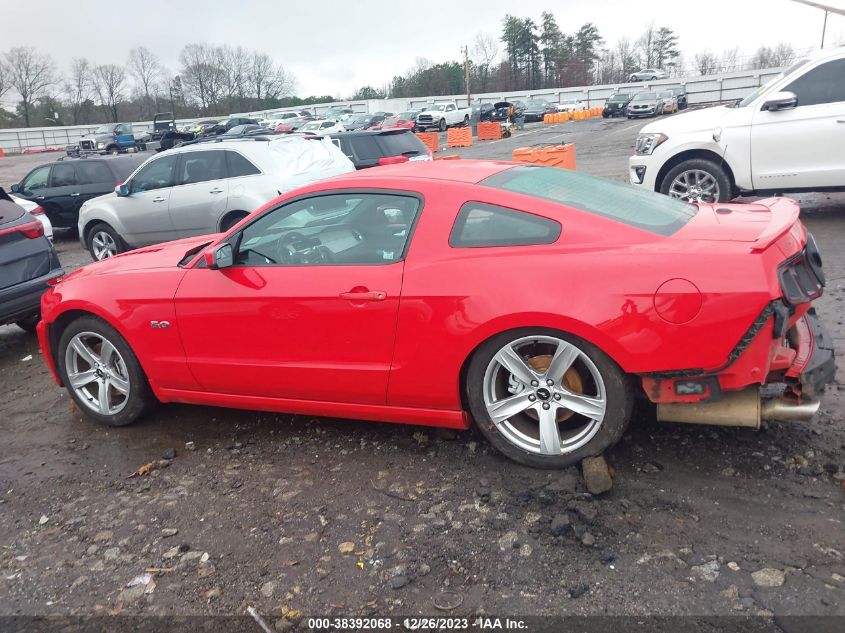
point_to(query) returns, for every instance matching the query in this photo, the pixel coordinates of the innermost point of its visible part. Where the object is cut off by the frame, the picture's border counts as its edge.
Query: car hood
(697, 120)
(166, 255)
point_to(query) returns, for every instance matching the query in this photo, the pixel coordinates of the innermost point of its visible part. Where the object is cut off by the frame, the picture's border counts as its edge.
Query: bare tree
(201, 76)
(706, 63)
(109, 80)
(646, 46)
(627, 59)
(485, 51)
(235, 66)
(30, 74)
(729, 57)
(4, 79)
(77, 87)
(145, 68)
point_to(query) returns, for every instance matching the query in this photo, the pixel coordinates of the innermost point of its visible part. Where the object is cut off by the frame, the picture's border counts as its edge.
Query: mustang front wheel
(547, 399)
(101, 372)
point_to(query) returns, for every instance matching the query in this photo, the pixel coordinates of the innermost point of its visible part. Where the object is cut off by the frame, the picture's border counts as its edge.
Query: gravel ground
(299, 516)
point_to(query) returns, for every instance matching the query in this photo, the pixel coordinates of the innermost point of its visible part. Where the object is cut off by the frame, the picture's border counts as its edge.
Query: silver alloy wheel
(531, 404)
(97, 373)
(695, 185)
(103, 245)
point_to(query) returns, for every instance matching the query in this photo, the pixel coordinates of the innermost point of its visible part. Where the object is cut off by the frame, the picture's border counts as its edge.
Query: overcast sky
(334, 46)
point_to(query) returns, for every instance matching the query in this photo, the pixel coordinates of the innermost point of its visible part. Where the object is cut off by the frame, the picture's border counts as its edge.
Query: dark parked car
(227, 124)
(248, 129)
(507, 111)
(61, 187)
(536, 109)
(681, 93)
(27, 261)
(615, 106)
(363, 121)
(370, 148)
(484, 111)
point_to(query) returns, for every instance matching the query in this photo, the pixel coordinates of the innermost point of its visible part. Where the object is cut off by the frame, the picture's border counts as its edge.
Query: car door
(144, 212)
(200, 193)
(123, 136)
(308, 310)
(63, 196)
(34, 185)
(801, 147)
(94, 178)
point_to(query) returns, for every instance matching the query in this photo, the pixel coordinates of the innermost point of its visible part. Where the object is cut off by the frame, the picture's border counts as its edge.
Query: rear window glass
(618, 201)
(9, 211)
(90, 172)
(405, 144)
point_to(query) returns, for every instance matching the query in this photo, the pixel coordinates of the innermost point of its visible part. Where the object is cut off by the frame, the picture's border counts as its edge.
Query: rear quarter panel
(597, 282)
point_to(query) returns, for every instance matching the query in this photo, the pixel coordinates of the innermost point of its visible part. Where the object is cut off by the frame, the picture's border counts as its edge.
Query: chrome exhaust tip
(780, 410)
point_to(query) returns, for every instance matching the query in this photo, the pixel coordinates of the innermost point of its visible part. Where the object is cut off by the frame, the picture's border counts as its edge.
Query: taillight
(30, 230)
(392, 160)
(37, 211)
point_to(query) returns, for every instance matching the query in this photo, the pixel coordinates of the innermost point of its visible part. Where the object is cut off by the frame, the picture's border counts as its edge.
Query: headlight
(647, 143)
(101, 145)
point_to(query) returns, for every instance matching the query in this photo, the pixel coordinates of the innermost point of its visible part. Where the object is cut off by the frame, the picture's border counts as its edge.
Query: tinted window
(823, 84)
(617, 201)
(155, 175)
(240, 166)
(37, 179)
(201, 167)
(480, 225)
(90, 172)
(64, 175)
(341, 229)
(405, 144)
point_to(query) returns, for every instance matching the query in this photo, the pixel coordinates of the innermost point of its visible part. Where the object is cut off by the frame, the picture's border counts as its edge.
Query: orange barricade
(459, 137)
(2, 153)
(429, 139)
(489, 131)
(450, 157)
(547, 118)
(562, 156)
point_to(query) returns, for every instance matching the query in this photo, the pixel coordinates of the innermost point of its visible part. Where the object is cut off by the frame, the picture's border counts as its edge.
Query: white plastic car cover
(298, 161)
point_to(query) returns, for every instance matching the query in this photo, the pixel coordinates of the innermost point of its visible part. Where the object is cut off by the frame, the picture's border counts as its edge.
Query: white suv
(205, 187)
(786, 136)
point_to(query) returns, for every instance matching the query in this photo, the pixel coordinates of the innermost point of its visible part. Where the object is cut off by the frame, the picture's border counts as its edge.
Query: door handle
(840, 120)
(375, 295)
(215, 191)
(74, 195)
(40, 198)
(159, 199)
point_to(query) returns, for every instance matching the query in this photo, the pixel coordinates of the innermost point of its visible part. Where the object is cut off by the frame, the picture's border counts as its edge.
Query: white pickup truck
(442, 115)
(787, 136)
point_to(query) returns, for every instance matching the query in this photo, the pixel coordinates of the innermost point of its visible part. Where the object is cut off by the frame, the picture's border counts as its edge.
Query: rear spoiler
(785, 213)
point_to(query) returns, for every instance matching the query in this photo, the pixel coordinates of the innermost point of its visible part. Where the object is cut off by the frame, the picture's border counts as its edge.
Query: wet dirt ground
(299, 516)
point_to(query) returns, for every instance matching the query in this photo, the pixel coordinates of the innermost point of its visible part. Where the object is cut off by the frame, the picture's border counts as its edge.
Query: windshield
(535, 104)
(104, 129)
(645, 96)
(360, 118)
(438, 108)
(314, 125)
(617, 201)
(665, 95)
(618, 99)
(753, 96)
(405, 115)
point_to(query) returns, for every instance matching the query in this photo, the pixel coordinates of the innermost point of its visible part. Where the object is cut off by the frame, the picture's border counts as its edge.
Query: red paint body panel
(283, 339)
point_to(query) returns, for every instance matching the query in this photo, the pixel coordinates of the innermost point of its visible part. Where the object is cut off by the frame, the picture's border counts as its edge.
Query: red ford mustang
(536, 302)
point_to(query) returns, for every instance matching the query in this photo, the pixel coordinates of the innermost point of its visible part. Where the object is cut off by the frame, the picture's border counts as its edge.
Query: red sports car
(537, 302)
(403, 120)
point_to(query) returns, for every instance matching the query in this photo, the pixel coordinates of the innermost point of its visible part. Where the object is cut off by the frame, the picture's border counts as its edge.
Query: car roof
(464, 171)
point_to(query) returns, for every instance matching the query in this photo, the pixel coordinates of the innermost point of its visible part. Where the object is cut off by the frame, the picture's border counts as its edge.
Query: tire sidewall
(617, 388)
(725, 186)
(104, 228)
(139, 390)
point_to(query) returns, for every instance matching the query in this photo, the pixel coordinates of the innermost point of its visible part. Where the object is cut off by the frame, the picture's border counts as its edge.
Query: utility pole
(467, 67)
(824, 26)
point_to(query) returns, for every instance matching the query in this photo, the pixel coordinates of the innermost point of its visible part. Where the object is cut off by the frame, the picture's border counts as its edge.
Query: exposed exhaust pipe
(739, 408)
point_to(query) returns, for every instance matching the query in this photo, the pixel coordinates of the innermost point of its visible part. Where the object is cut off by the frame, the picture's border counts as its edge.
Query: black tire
(442, 125)
(231, 220)
(618, 389)
(114, 150)
(140, 397)
(718, 173)
(102, 227)
(29, 323)
(466, 120)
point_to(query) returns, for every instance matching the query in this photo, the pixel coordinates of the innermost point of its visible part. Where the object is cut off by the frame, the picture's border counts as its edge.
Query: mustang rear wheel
(547, 399)
(102, 373)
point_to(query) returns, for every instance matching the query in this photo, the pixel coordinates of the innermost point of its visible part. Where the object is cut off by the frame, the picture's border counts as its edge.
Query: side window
(823, 84)
(240, 166)
(351, 229)
(201, 167)
(450, 108)
(89, 172)
(37, 179)
(480, 225)
(157, 174)
(64, 175)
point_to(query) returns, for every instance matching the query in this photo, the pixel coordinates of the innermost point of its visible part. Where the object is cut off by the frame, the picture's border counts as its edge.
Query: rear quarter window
(480, 225)
(646, 210)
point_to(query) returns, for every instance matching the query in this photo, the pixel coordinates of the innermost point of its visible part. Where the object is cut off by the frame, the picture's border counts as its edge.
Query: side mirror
(221, 256)
(16, 188)
(122, 190)
(781, 101)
